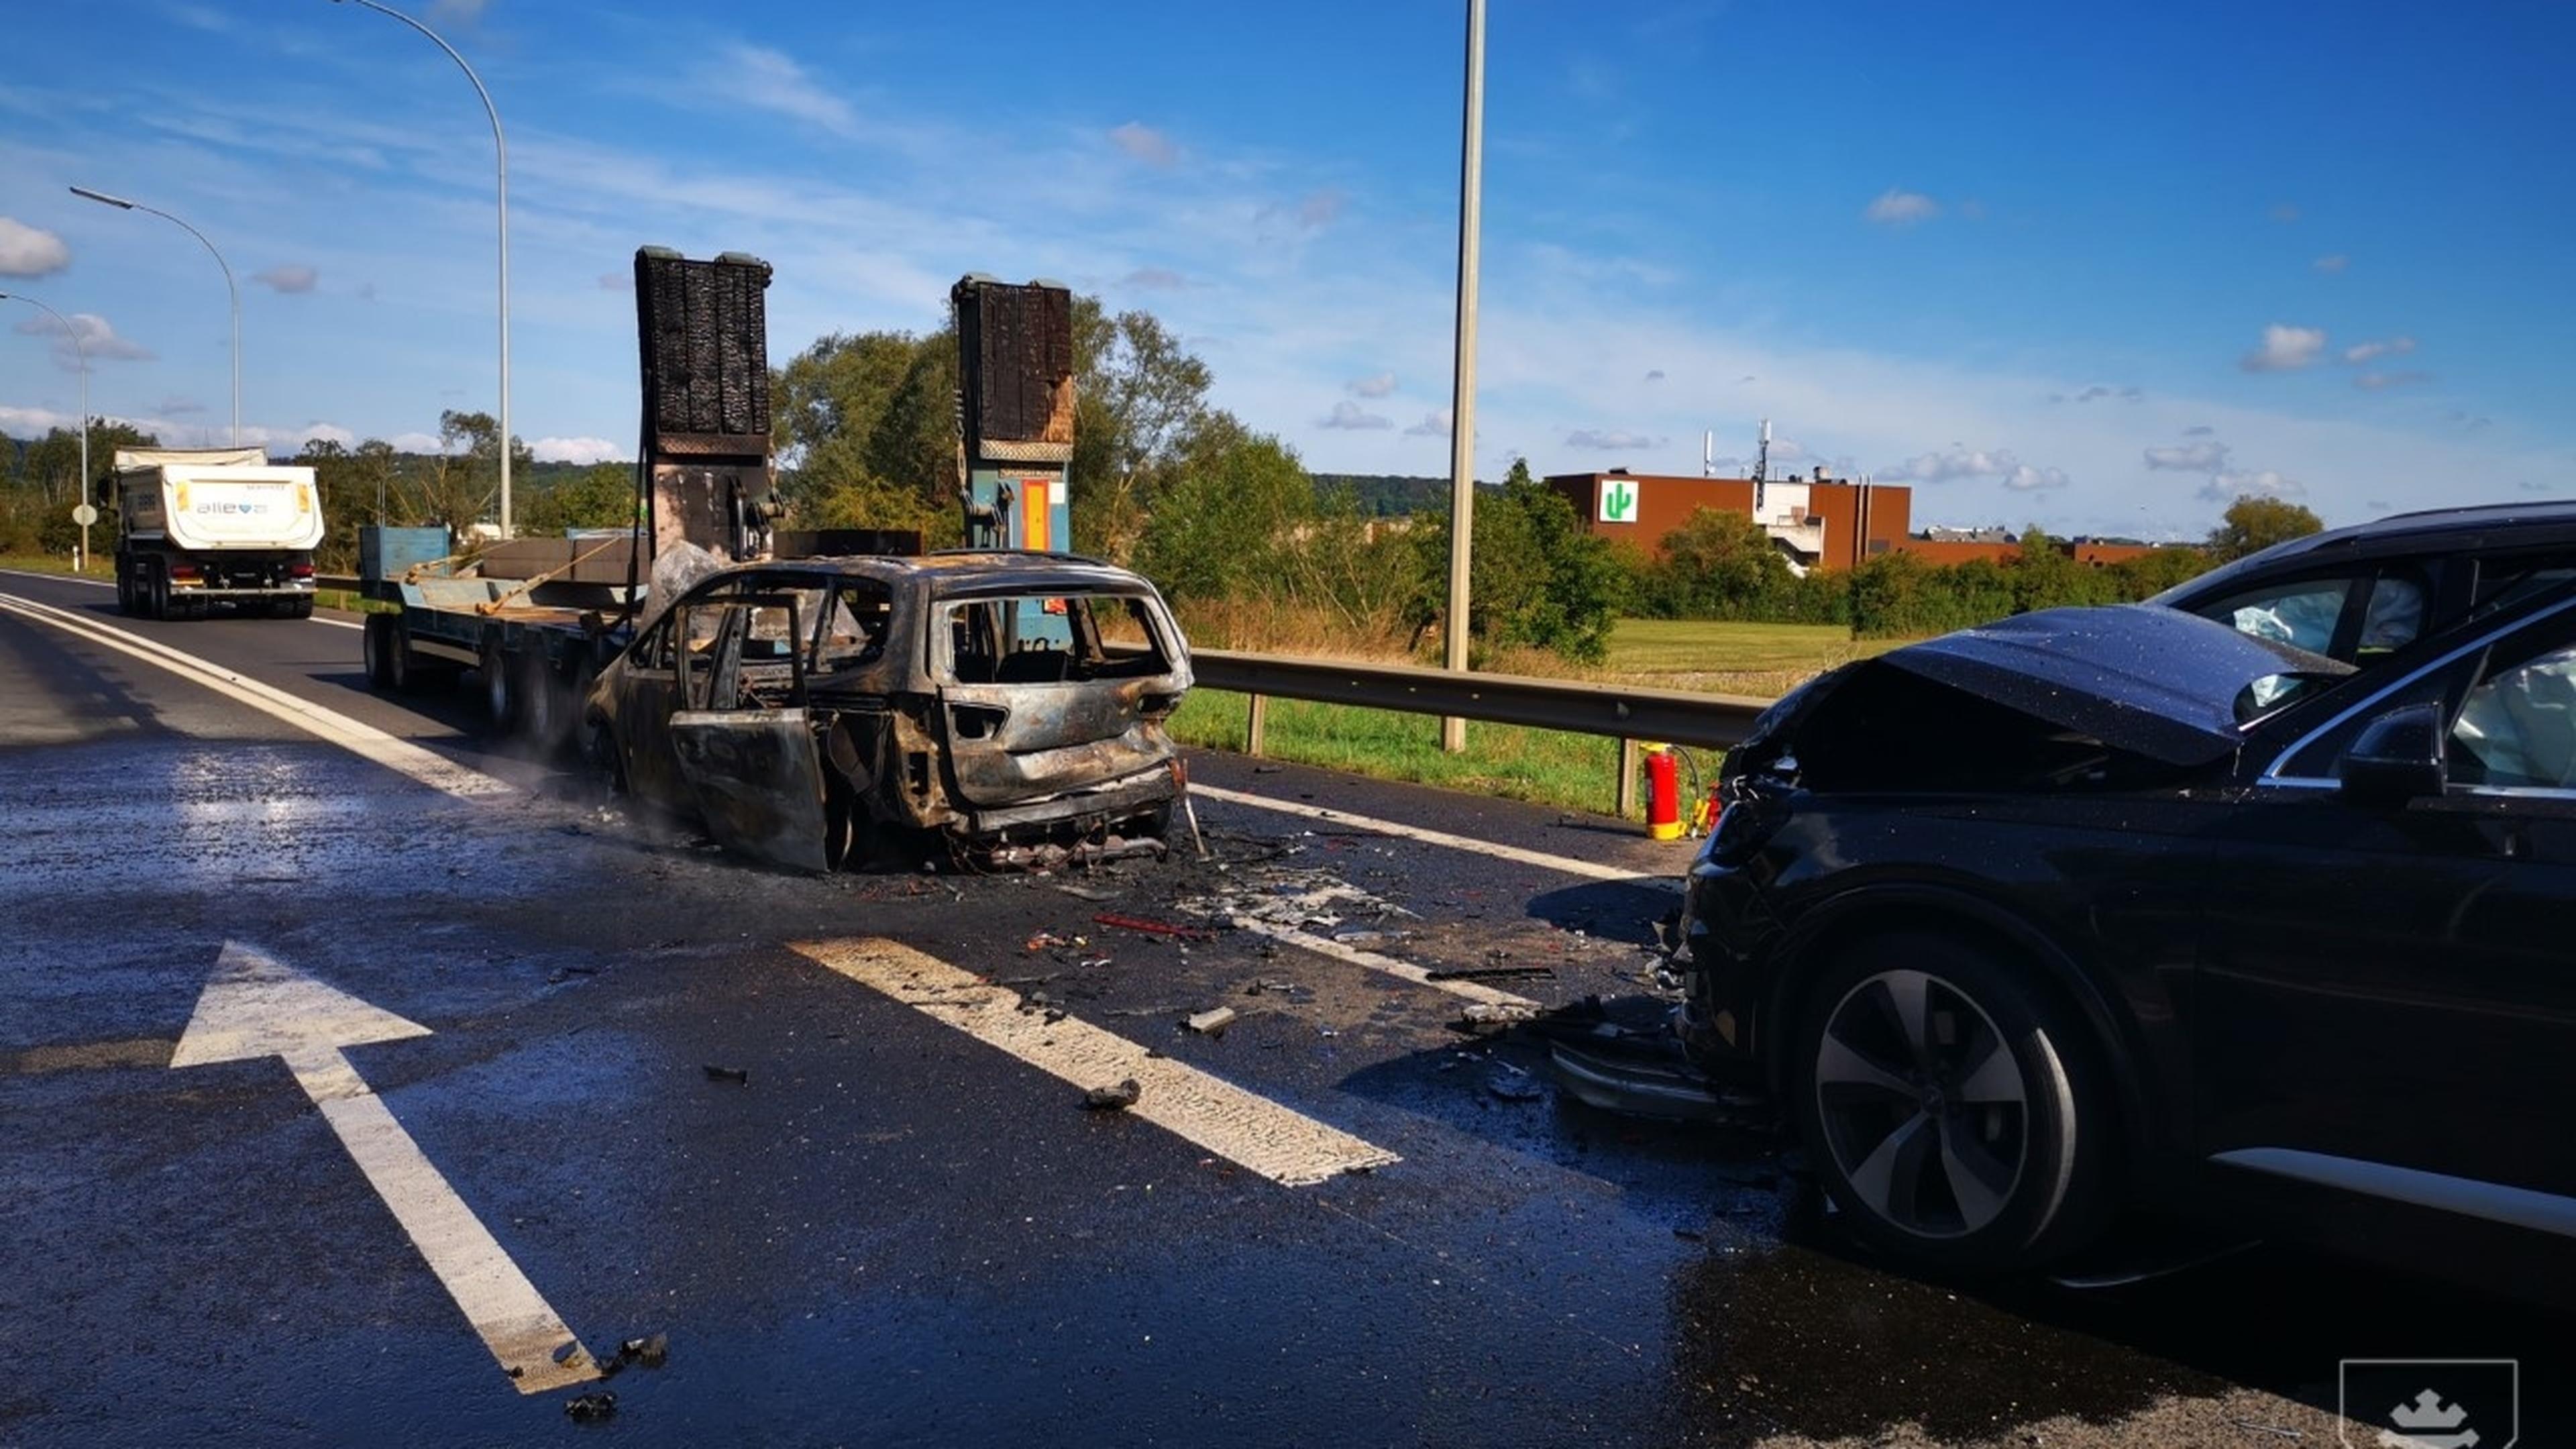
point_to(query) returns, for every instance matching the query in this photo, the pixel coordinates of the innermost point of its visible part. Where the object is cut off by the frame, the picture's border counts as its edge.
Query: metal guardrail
(1674, 716)
(1621, 712)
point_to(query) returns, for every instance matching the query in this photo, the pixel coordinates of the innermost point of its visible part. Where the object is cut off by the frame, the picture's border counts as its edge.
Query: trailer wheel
(501, 693)
(548, 705)
(376, 644)
(402, 672)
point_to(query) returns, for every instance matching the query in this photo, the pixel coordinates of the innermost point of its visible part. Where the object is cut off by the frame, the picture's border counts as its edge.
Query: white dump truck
(203, 526)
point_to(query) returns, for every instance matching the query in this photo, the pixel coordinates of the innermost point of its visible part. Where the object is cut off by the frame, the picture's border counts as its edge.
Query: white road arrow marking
(255, 1006)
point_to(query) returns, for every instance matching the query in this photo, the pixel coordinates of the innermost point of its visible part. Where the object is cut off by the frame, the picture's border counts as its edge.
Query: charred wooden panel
(1015, 354)
(705, 333)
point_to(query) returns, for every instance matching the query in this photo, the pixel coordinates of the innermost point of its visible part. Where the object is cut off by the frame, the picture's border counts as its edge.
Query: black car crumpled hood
(2152, 681)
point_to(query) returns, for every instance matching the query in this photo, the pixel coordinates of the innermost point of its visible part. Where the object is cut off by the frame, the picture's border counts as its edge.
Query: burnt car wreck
(820, 714)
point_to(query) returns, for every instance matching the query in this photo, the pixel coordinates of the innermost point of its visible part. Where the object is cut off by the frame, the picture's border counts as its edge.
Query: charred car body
(810, 712)
(2106, 906)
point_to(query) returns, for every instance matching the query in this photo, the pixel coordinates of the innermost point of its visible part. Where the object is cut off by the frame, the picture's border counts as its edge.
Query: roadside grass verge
(54, 563)
(1548, 767)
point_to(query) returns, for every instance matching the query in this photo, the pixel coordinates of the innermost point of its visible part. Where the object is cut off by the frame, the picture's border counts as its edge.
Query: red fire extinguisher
(1663, 794)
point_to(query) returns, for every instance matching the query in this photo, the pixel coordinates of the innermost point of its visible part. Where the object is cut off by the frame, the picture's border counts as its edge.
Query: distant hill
(1390, 495)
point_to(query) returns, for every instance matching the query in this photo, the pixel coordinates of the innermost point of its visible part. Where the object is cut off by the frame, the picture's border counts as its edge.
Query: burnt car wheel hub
(1923, 1104)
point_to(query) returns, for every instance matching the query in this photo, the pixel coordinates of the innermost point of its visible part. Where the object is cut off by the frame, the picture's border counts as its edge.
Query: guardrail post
(1627, 778)
(1256, 725)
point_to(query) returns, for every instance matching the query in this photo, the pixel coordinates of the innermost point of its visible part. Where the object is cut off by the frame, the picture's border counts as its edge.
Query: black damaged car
(2095, 908)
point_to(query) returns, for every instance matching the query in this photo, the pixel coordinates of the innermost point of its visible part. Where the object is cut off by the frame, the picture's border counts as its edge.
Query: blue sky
(2095, 269)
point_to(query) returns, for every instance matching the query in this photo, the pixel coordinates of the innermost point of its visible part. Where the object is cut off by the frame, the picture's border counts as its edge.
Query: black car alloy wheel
(1947, 1105)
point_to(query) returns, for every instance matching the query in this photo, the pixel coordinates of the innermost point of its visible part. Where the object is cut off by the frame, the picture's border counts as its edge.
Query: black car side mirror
(2400, 756)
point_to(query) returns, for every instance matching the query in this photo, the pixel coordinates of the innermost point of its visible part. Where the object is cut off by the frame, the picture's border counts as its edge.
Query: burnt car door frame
(752, 769)
(1012, 722)
(2385, 1002)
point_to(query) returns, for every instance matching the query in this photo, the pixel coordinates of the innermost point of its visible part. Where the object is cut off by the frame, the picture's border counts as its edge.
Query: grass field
(1576, 772)
(54, 563)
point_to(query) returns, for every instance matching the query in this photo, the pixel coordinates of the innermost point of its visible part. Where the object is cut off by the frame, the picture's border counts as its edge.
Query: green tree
(2252, 524)
(1538, 578)
(462, 484)
(599, 496)
(1139, 396)
(1716, 565)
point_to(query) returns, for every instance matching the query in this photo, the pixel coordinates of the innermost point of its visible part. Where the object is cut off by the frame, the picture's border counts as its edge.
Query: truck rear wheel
(160, 599)
(124, 590)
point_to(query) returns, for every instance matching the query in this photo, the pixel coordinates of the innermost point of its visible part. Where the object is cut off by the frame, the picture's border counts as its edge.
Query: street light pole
(500, 148)
(82, 353)
(230, 290)
(1462, 396)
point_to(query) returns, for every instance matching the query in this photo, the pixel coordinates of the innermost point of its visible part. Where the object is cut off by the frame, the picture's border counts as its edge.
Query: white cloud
(2375, 381)
(2332, 264)
(573, 450)
(771, 80)
(327, 433)
(1381, 385)
(2202, 457)
(2391, 347)
(1958, 462)
(98, 341)
(2025, 478)
(288, 277)
(1897, 207)
(1654, 374)
(1145, 144)
(2228, 487)
(26, 422)
(27, 251)
(2285, 349)
(1609, 440)
(1351, 417)
(414, 442)
(1433, 425)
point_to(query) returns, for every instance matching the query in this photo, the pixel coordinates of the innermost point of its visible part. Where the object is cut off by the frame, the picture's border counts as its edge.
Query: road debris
(1212, 1021)
(1153, 928)
(1489, 973)
(1112, 1099)
(653, 1350)
(1512, 1084)
(739, 1076)
(1087, 893)
(1487, 1018)
(590, 1408)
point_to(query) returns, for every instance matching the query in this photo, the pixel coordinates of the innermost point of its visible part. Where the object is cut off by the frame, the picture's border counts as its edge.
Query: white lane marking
(1325, 946)
(1283, 1145)
(256, 1006)
(1565, 863)
(365, 740)
(109, 584)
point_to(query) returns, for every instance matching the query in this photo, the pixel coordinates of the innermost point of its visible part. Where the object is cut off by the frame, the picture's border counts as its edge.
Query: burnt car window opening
(851, 628)
(742, 653)
(2518, 726)
(1049, 639)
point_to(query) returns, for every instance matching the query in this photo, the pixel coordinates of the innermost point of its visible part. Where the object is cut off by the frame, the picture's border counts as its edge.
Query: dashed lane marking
(1566, 863)
(402, 756)
(1243, 1127)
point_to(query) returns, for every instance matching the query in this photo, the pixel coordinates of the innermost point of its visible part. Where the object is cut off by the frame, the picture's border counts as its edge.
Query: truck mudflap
(758, 782)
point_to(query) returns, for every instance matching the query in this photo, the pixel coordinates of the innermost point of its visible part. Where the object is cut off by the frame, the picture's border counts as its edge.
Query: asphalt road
(886, 1214)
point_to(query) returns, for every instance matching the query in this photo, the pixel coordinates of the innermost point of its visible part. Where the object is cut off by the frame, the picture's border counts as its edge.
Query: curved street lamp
(230, 290)
(82, 353)
(501, 148)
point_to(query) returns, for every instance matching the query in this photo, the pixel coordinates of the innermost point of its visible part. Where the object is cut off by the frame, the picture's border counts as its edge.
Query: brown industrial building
(1818, 522)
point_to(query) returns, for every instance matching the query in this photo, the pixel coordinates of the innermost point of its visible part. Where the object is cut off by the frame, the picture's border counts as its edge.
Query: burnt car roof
(2471, 529)
(998, 569)
(2155, 681)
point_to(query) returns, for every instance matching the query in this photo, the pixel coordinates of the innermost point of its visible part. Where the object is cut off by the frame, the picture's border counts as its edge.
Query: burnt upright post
(703, 467)
(1014, 412)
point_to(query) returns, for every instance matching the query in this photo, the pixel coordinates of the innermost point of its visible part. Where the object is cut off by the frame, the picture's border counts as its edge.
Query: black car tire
(1986, 1148)
(599, 750)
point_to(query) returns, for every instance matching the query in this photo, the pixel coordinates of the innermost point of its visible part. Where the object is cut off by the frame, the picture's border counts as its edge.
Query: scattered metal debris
(1212, 1021)
(590, 1408)
(1087, 893)
(1112, 1099)
(2276, 1430)
(1490, 973)
(653, 1350)
(1514, 1085)
(1153, 928)
(739, 1076)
